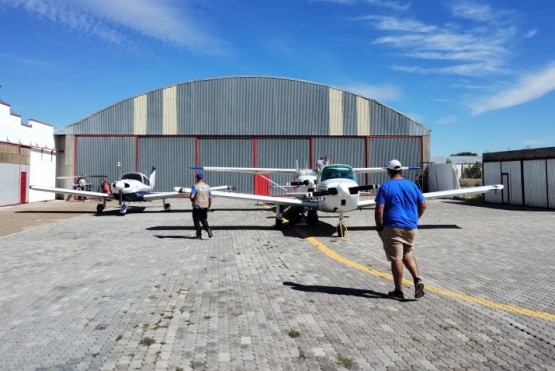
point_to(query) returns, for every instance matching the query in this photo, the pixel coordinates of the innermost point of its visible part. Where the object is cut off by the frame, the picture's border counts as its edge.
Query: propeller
(355, 190)
(119, 186)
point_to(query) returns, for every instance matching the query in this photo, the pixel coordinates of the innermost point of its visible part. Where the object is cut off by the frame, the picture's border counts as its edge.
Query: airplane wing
(248, 170)
(362, 170)
(286, 201)
(162, 195)
(444, 194)
(73, 192)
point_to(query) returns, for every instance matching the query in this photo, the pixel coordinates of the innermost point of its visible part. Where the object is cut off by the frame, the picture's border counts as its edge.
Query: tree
(465, 154)
(474, 171)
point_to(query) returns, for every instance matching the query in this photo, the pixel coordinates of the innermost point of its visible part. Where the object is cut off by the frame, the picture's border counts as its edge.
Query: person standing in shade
(399, 205)
(202, 201)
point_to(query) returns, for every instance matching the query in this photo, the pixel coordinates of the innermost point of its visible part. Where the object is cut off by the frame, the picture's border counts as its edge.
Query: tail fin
(152, 177)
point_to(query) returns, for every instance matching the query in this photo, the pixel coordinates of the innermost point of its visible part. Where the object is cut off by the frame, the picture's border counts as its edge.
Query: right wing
(443, 194)
(463, 191)
(362, 170)
(73, 192)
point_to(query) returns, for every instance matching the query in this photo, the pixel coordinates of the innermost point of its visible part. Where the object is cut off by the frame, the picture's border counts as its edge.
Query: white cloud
(478, 40)
(395, 5)
(530, 87)
(112, 21)
(447, 120)
(381, 93)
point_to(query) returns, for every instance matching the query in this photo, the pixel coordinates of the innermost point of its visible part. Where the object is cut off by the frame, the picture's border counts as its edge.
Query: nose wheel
(342, 228)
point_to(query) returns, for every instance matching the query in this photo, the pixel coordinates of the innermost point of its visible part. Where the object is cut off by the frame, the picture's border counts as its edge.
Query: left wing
(286, 201)
(248, 170)
(448, 193)
(73, 192)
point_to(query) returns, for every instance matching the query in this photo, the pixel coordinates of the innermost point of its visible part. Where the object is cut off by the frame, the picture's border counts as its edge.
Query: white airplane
(132, 187)
(335, 190)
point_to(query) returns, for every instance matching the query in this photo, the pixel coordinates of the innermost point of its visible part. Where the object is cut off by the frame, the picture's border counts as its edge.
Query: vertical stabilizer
(152, 177)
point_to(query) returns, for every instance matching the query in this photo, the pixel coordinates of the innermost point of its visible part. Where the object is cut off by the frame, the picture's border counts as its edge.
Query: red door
(262, 185)
(23, 185)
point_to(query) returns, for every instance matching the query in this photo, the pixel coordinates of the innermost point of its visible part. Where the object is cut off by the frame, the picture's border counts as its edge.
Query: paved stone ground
(138, 292)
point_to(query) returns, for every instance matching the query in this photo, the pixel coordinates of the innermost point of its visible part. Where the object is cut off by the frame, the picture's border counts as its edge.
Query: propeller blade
(329, 191)
(355, 190)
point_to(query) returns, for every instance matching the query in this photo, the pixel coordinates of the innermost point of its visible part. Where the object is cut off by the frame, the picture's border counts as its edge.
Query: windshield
(337, 172)
(136, 176)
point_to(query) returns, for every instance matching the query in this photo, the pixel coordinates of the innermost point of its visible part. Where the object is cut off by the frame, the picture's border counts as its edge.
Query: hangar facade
(240, 122)
(528, 177)
(27, 156)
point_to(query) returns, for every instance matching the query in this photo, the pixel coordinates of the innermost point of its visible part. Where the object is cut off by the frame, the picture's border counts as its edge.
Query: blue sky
(479, 74)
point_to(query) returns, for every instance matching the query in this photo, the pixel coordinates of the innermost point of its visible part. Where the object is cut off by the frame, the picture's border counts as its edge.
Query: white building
(27, 156)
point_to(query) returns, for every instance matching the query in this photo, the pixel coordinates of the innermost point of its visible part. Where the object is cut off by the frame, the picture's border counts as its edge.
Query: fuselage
(133, 186)
(340, 178)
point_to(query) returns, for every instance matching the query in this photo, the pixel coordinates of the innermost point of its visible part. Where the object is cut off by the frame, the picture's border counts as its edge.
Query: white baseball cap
(394, 165)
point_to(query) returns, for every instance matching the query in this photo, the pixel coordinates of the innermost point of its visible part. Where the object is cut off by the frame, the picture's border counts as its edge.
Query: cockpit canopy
(337, 172)
(137, 176)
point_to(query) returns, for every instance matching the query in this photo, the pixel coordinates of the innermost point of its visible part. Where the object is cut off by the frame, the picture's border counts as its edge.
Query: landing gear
(312, 217)
(342, 227)
(294, 214)
(167, 206)
(99, 208)
(279, 220)
(123, 209)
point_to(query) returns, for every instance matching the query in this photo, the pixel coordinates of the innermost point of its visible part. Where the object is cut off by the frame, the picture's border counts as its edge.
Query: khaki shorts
(397, 242)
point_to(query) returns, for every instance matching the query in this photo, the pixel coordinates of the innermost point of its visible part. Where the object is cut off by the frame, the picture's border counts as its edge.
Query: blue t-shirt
(400, 198)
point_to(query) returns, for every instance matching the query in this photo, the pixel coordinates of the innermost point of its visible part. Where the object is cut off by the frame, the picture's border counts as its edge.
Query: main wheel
(167, 207)
(99, 208)
(312, 217)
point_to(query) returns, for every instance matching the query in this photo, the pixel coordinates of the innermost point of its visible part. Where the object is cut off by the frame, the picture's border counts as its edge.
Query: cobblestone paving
(138, 292)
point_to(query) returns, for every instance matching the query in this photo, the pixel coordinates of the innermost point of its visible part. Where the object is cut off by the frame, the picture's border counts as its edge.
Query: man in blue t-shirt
(399, 205)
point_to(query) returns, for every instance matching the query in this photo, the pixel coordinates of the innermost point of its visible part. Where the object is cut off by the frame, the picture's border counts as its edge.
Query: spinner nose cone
(119, 185)
(343, 189)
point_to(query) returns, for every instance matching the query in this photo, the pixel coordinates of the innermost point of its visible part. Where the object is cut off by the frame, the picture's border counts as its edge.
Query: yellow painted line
(486, 303)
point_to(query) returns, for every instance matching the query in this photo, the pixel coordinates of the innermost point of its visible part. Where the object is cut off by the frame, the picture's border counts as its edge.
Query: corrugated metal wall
(227, 152)
(535, 186)
(512, 182)
(282, 153)
(405, 149)
(249, 106)
(172, 157)
(492, 175)
(100, 155)
(252, 106)
(551, 183)
(348, 151)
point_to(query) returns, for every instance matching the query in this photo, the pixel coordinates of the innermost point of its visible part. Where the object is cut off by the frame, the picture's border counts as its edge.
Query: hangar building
(240, 121)
(528, 177)
(27, 156)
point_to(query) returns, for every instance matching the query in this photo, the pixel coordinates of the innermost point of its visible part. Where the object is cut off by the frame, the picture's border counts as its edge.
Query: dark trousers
(200, 217)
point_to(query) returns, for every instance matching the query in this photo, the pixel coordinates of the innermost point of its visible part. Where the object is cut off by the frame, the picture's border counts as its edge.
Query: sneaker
(418, 288)
(396, 294)
(210, 233)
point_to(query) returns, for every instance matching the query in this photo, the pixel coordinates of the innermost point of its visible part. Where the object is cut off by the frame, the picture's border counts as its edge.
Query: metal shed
(240, 121)
(527, 175)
